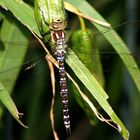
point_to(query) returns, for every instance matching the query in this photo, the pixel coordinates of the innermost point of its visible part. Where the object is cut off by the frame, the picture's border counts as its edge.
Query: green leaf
(95, 89)
(11, 59)
(12, 56)
(23, 12)
(9, 104)
(84, 38)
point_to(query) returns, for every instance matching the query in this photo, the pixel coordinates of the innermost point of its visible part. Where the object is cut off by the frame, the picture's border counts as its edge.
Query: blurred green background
(32, 92)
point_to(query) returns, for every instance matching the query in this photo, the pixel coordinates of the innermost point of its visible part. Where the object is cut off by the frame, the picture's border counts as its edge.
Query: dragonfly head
(58, 24)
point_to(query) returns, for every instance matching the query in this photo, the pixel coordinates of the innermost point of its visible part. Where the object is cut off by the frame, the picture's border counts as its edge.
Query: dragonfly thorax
(59, 40)
(61, 45)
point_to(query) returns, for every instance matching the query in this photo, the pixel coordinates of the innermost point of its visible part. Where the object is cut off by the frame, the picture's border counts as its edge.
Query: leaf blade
(10, 57)
(95, 89)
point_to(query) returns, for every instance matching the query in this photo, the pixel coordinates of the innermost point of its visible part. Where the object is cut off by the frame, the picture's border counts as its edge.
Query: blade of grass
(9, 104)
(10, 57)
(95, 89)
(23, 12)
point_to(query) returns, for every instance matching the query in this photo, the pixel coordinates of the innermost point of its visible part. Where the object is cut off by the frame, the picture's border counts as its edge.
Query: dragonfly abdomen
(64, 91)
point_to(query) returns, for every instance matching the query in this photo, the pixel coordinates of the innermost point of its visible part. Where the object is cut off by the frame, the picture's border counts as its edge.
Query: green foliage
(13, 56)
(10, 57)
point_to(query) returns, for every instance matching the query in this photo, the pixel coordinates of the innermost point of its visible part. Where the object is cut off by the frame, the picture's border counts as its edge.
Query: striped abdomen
(59, 40)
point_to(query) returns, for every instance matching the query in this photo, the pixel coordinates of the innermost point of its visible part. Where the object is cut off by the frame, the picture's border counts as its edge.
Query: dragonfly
(59, 40)
(50, 14)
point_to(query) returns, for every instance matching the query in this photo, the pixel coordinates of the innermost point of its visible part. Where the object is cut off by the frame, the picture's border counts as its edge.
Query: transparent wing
(100, 48)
